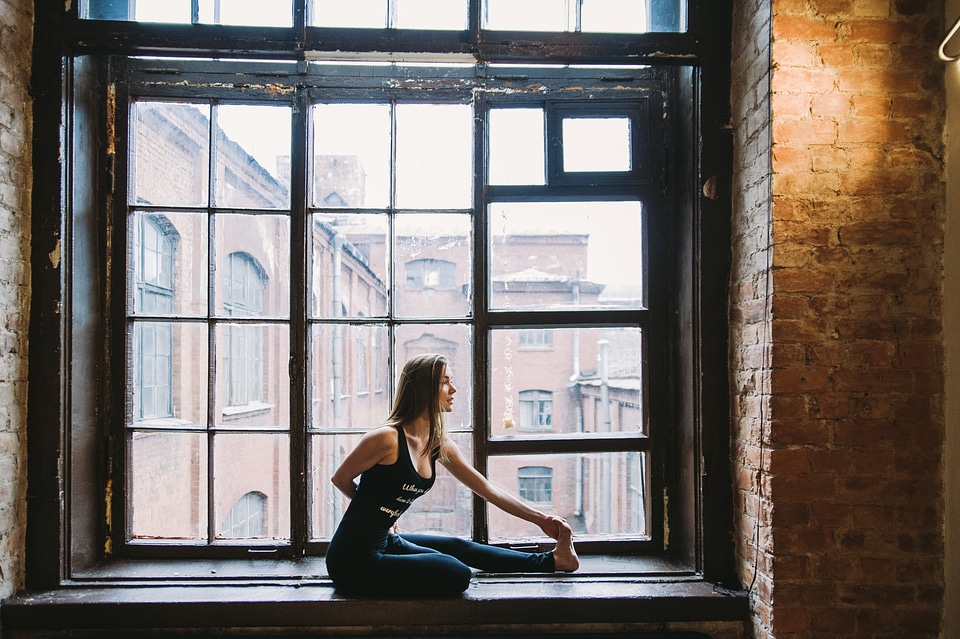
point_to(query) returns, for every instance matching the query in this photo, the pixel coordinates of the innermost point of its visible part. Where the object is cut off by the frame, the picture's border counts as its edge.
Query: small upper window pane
(614, 16)
(174, 11)
(276, 13)
(449, 15)
(516, 146)
(529, 15)
(596, 144)
(364, 14)
(596, 16)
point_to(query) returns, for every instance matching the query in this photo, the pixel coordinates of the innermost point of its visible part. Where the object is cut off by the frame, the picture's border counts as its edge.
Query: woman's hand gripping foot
(565, 555)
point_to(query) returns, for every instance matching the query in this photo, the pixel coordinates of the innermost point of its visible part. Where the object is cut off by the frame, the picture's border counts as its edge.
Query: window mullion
(299, 223)
(211, 326)
(481, 288)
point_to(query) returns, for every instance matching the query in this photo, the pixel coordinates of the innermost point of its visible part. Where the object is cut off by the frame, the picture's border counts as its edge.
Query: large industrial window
(440, 238)
(267, 211)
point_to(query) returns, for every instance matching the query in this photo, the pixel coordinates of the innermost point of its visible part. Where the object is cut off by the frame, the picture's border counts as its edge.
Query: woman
(396, 464)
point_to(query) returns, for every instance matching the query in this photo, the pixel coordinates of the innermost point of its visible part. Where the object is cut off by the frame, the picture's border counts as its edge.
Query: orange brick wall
(838, 386)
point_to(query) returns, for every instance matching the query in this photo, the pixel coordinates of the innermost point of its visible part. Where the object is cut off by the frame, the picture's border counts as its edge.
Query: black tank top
(386, 491)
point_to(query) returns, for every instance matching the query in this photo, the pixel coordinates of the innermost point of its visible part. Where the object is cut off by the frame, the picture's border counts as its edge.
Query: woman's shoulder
(383, 434)
(382, 439)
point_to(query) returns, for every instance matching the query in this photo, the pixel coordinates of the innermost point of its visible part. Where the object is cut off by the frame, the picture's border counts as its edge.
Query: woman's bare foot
(565, 555)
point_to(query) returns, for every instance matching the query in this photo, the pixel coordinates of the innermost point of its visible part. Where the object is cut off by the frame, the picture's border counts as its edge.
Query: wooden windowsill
(203, 596)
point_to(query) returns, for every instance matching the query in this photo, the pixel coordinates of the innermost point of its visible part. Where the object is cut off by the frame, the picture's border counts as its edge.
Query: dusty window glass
(432, 260)
(351, 155)
(259, 455)
(168, 493)
(434, 161)
(246, 254)
(257, 175)
(554, 391)
(349, 263)
(517, 146)
(566, 255)
(169, 154)
(601, 495)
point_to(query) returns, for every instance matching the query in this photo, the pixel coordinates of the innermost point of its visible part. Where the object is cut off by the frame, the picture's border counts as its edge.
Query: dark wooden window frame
(67, 507)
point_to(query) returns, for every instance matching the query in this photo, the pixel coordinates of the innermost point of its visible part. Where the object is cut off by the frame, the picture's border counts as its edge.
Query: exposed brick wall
(16, 37)
(851, 476)
(750, 325)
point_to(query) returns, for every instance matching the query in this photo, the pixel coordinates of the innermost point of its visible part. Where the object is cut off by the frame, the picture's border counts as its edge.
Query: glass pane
(453, 341)
(602, 495)
(167, 264)
(667, 15)
(434, 156)
(614, 16)
(167, 494)
(565, 380)
(276, 13)
(596, 144)
(169, 151)
(433, 265)
(348, 272)
(253, 380)
(370, 14)
(159, 10)
(251, 486)
(529, 15)
(167, 363)
(447, 508)
(431, 14)
(327, 503)
(252, 268)
(566, 255)
(351, 161)
(516, 146)
(253, 157)
(349, 375)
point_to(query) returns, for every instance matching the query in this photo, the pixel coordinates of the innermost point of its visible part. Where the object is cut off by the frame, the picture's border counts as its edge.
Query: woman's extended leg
(484, 557)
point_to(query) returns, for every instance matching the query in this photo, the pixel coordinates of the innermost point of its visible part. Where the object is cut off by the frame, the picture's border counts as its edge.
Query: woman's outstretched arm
(454, 461)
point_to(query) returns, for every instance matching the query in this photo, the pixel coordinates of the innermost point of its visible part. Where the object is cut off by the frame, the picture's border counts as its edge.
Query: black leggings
(424, 565)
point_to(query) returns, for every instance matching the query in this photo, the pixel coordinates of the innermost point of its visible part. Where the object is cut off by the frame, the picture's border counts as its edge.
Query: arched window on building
(246, 517)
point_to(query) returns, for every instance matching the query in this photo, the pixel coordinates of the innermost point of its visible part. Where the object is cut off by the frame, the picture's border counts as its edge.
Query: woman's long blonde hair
(418, 391)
